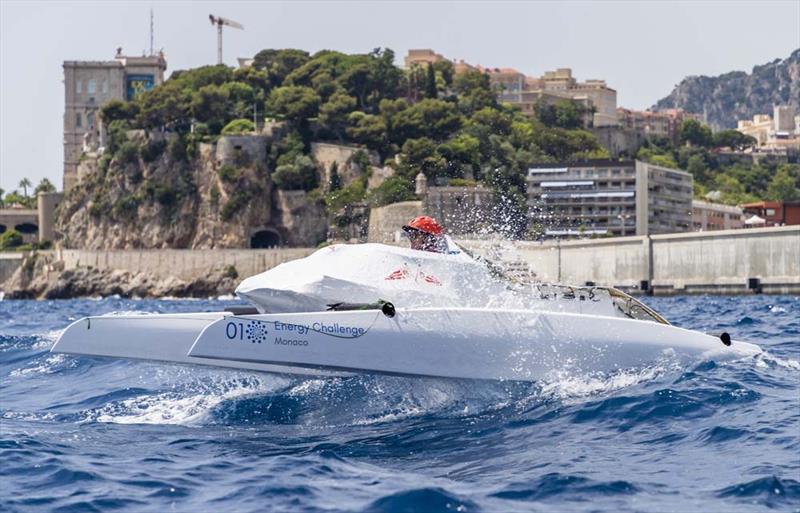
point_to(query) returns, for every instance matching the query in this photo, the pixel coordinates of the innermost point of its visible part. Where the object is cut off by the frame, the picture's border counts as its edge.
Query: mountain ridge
(726, 98)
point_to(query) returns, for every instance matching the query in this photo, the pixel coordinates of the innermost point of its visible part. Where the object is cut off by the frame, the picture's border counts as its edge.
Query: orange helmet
(424, 224)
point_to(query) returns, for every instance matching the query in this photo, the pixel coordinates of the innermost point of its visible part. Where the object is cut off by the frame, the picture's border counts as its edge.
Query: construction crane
(219, 21)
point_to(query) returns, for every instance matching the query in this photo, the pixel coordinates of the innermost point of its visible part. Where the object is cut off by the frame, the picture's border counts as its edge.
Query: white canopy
(754, 220)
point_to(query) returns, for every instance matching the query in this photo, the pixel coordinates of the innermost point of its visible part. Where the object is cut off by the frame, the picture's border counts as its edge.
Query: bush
(228, 173)
(10, 239)
(462, 182)
(393, 190)
(301, 175)
(127, 153)
(337, 200)
(238, 126)
(152, 150)
(235, 203)
(165, 195)
(125, 208)
(98, 208)
(177, 149)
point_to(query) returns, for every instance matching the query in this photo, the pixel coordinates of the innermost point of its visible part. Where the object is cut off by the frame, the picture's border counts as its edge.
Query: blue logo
(254, 331)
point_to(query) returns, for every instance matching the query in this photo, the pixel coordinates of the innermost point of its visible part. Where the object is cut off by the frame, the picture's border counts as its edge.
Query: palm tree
(25, 183)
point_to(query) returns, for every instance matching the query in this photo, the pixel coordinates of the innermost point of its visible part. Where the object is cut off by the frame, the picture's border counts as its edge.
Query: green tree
(279, 63)
(421, 156)
(435, 119)
(333, 114)
(25, 183)
(45, 185)
(393, 190)
(10, 239)
(698, 169)
(368, 129)
(733, 192)
(238, 126)
(430, 83)
(299, 175)
(445, 69)
(210, 106)
(295, 103)
(117, 109)
(695, 133)
(732, 139)
(783, 186)
(335, 182)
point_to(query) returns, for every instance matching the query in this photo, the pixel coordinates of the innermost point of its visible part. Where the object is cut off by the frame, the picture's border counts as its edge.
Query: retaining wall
(9, 262)
(718, 262)
(182, 263)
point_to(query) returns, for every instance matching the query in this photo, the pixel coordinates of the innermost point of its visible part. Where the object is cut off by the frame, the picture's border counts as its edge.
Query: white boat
(372, 308)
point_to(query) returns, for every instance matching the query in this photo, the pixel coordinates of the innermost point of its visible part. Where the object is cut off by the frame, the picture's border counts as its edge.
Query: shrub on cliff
(127, 153)
(393, 190)
(152, 150)
(228, 173)
(10, 239)
(299, 175)
(238, 126)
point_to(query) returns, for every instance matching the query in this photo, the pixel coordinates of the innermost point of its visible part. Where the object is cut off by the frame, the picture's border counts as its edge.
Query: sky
(642, 49)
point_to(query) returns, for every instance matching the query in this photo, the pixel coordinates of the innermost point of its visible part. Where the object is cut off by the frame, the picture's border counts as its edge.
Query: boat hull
(452, 343)
(157, 337)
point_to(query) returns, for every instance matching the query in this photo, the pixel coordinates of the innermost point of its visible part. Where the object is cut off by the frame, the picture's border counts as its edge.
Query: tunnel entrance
(2, 228)
(265, 239)
(27, 228)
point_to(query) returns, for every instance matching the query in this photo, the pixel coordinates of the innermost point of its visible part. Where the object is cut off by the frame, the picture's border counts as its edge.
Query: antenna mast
(151, 32)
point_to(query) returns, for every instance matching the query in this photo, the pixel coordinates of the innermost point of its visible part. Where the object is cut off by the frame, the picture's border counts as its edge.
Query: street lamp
(623, 218)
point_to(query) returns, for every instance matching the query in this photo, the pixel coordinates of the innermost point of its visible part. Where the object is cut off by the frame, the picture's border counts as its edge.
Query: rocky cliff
(42, 276)
(726, 98)
(157, 190)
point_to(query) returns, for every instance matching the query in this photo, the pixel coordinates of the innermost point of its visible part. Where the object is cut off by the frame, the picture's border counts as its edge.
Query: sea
(82, 434)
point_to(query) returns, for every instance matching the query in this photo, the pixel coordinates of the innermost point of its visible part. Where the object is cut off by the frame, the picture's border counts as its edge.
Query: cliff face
(726, 98)
(159, 192)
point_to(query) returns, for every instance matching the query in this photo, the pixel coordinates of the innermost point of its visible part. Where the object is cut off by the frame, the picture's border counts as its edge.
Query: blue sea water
(87, 434)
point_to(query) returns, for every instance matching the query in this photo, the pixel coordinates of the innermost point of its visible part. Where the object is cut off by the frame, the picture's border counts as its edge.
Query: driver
(426, 234)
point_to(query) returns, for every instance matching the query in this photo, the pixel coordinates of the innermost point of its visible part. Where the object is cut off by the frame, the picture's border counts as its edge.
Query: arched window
(26, 228)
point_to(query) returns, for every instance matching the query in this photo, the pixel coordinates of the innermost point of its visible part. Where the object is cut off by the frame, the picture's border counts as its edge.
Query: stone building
(88, 85)
(663, 123)
(516, 88)
(707, 216)
(608, 197)
(778, 132)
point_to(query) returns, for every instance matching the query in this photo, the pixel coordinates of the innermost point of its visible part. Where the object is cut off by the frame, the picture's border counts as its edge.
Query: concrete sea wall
(719, 262)
(724, 262)
(182, 263)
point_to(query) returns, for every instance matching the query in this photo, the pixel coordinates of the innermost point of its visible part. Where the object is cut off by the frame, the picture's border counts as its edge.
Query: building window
(79, 86)
(78, 119)
(770, 211)
(91, 87)
(105, 86)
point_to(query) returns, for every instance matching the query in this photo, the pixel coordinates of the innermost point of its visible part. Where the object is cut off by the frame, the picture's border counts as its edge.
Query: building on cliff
(516, 88)
(88, 85)
(780, 133)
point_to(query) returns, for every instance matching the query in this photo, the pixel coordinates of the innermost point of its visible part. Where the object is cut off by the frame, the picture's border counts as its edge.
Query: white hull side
(457, 343)
(158, 337)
